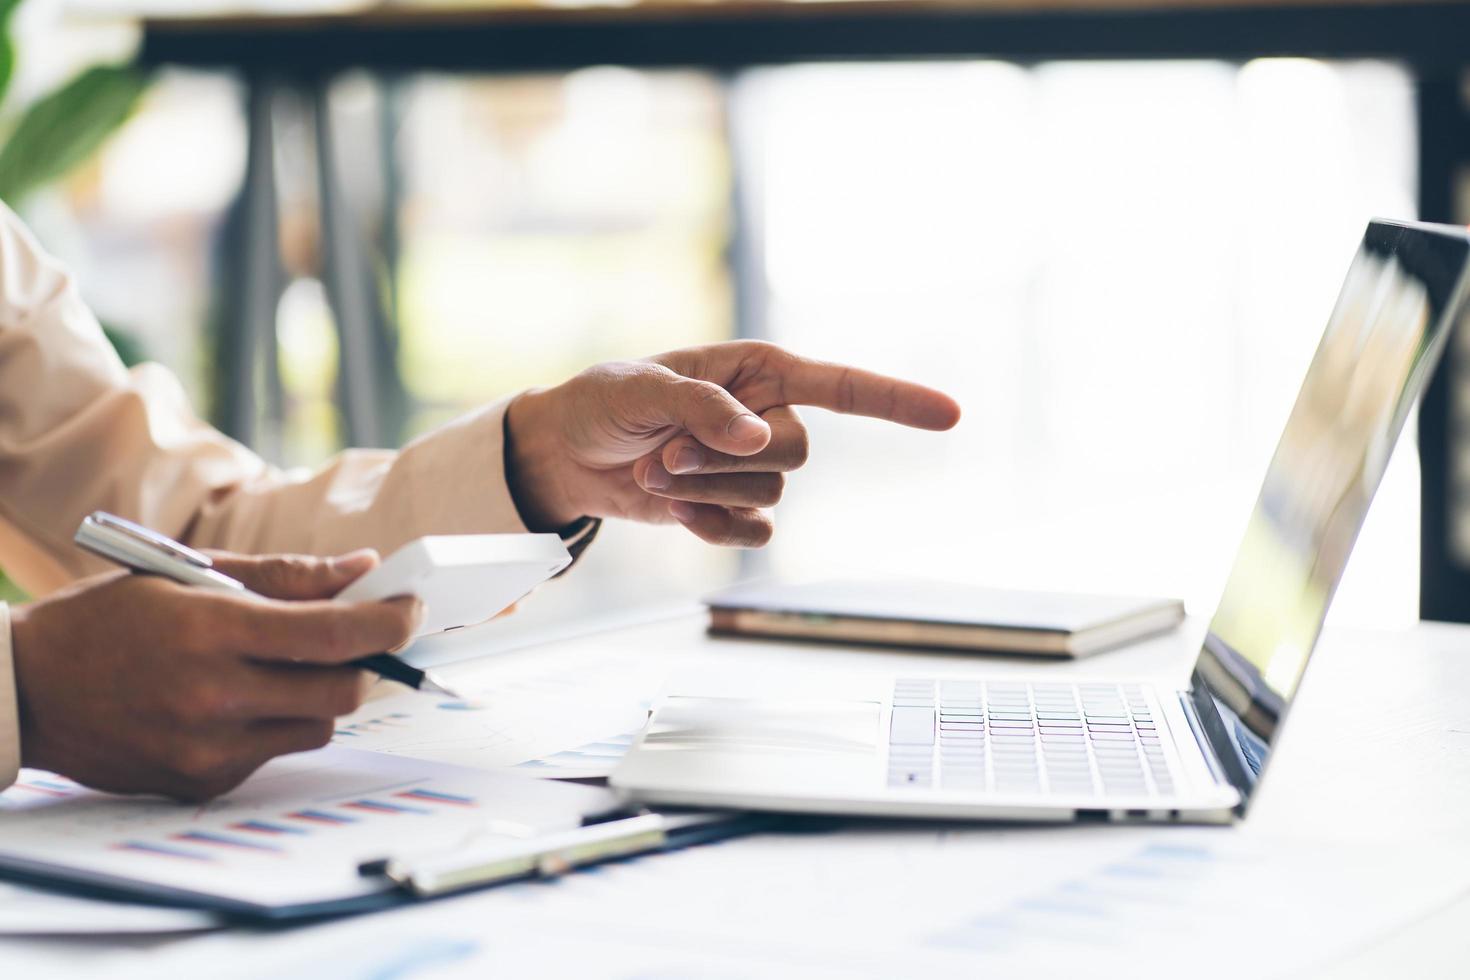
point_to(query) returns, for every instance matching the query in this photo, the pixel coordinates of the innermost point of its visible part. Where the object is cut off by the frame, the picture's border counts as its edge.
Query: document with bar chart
(290, 841)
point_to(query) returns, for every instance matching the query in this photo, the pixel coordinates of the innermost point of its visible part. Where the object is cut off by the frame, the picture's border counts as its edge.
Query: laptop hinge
(1212, 762)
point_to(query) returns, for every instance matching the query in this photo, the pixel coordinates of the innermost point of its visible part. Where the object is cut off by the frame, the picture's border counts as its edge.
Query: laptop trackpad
(766, 724)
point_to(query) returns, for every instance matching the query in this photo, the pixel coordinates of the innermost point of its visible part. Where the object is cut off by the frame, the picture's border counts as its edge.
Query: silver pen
(144, 550)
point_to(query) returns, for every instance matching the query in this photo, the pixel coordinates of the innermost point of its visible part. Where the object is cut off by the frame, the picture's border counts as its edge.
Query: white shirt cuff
(9, 714)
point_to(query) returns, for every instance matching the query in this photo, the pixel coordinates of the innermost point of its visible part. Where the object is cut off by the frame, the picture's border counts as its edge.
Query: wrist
(535, 462)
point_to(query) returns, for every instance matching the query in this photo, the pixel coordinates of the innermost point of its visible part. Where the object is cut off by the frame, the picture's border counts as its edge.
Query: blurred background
(1120, 269)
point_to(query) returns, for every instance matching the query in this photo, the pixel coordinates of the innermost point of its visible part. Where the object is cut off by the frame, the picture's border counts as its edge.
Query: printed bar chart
(295, 833)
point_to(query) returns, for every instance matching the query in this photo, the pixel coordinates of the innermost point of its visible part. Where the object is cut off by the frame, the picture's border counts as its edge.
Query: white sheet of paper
(28, 911)
(594, 760)
(295, 832)
(517, 709)
(1065, 902)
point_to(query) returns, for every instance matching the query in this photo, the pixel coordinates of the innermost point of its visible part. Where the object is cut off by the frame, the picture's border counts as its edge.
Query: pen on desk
(494, 862)
(142, 550)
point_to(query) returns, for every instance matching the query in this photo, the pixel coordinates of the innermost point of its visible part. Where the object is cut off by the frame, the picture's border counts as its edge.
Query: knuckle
(344, 696)
(761, 349)
(193, 704)
(405, 622)
(182, 712)
(670, 452)
(317, 734)
(272, 573)
(337, 638)
(292, 573)
(707, 392)
(760, 534)
(292, 569)
(206, 702)
(199, 764)
(846, 390)
(639, 376)
(801, 450)
(770, 490)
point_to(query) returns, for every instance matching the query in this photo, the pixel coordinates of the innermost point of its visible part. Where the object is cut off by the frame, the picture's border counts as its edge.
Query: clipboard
(329, 832)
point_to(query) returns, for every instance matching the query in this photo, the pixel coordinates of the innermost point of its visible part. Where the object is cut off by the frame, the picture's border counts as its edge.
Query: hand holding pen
(143, 550)
(137, 684)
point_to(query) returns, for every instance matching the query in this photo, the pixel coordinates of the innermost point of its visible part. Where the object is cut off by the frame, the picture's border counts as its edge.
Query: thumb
(297, 576)
(710, 414)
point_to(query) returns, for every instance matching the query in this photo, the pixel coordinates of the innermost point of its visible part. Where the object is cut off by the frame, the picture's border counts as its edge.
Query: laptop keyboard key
(911, 726)
(1093, 739)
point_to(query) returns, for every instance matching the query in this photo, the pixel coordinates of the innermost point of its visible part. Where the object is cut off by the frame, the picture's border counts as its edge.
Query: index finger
(315, 632)
(853, 391)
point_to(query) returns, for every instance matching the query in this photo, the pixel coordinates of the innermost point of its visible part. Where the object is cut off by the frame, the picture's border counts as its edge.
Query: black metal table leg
(1444, 415)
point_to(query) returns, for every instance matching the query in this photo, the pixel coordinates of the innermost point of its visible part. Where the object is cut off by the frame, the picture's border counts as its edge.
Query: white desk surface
(1377, 751)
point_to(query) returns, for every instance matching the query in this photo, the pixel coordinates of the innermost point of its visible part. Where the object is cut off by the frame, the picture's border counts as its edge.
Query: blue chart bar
(379, 806)
(592, 755)
(43, 790)
(264, 827)
(224, 840)
(321, 816)
(162, 850)
(53, 784)
(433, 796)
(1089, 909)
(396, 719)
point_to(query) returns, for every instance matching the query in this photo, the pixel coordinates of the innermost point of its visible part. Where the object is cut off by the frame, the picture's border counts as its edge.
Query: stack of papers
(290, 841)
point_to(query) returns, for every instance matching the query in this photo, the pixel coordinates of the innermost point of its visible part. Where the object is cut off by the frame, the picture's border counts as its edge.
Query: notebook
(940, 615)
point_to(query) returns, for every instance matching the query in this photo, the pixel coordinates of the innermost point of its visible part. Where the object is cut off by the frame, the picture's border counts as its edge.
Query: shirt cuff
(576, 536)
(9, 715)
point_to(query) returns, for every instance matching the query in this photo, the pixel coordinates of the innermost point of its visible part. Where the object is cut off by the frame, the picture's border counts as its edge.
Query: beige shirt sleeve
(9, 716)
(79, 432)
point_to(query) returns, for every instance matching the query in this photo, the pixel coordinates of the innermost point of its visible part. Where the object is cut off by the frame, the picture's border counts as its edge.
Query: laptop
(1050, 749)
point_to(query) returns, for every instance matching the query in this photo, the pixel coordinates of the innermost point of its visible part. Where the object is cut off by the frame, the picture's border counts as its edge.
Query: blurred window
(1120, 269)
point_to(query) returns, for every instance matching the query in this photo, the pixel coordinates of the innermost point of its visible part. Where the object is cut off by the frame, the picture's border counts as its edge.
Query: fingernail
(354, 561)
(745, 428)
(683, 511)
(657, 478)
(687, 460)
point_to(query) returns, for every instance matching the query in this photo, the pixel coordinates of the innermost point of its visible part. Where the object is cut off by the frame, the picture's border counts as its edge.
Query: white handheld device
(463, 579)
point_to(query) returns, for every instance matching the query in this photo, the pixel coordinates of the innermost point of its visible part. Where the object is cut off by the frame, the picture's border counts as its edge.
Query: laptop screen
(1402, 295)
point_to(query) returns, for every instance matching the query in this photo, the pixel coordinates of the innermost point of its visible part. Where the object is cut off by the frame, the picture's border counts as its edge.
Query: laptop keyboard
(1094, 739)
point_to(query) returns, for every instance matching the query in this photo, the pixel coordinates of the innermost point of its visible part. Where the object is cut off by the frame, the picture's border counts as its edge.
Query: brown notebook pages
(941, 615)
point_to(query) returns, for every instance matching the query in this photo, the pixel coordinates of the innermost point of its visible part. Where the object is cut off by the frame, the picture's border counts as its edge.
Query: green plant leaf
(9, 591)
(7, 45)
(64, 128)
(128, 347)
